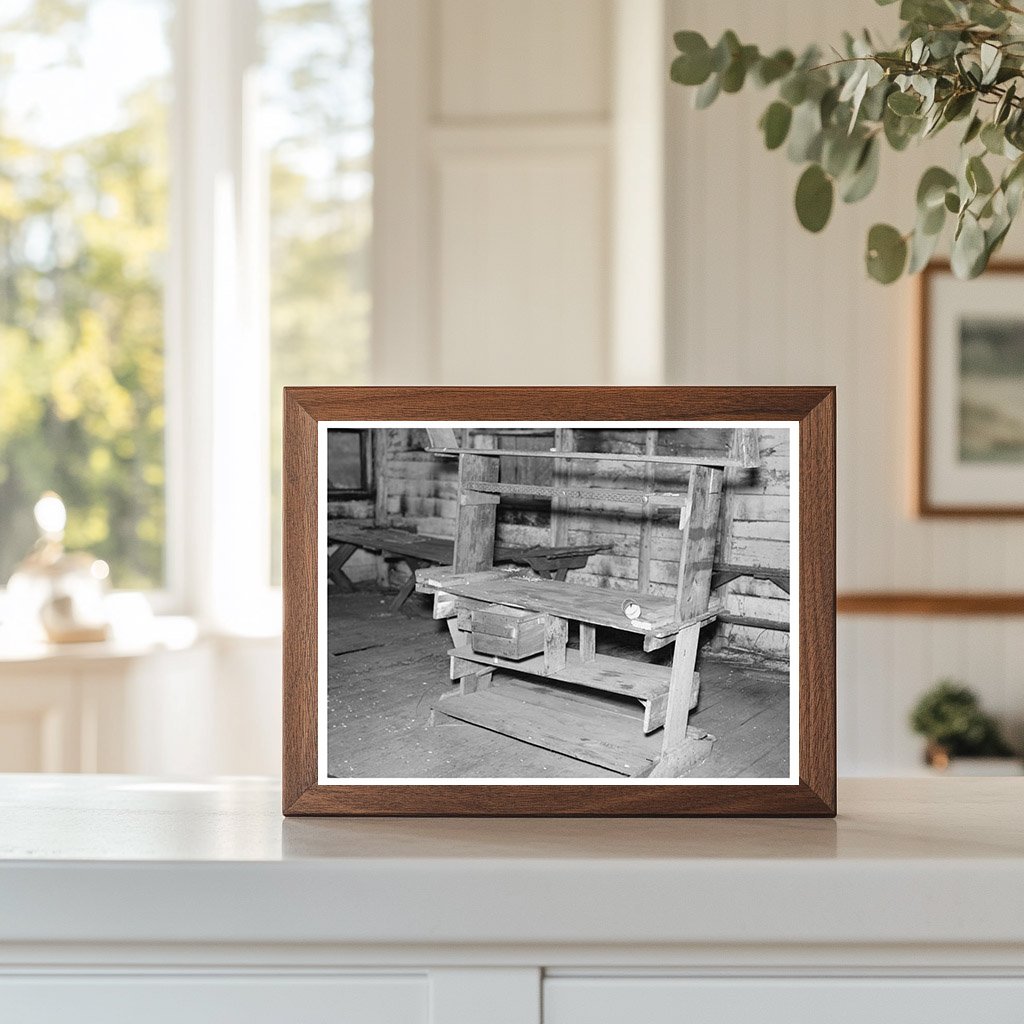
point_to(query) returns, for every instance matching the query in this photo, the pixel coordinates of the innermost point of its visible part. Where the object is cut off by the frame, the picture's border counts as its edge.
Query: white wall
(754, 299)
(501, 131)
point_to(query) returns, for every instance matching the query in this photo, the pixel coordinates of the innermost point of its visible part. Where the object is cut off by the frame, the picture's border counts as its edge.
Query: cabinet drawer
(202, 999)
(660, 1000)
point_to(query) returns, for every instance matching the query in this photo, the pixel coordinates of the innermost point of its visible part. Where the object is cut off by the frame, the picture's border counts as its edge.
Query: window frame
(367, 484)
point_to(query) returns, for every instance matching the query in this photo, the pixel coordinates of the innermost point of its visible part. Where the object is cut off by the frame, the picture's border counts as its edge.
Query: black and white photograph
(558, 602)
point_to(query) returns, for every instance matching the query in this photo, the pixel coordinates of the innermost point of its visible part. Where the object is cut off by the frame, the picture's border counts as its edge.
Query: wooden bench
(419, 551)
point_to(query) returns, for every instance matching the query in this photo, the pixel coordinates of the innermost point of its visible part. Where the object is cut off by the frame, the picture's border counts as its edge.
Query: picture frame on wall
(969, 448)
(559, 601)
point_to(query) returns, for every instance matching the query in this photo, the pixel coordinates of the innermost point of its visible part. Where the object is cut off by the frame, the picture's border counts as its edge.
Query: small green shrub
(950, 716)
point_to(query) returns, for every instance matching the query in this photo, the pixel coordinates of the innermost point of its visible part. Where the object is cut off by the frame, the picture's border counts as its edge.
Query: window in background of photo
(317, 128)
(349, 462)
(83, 238)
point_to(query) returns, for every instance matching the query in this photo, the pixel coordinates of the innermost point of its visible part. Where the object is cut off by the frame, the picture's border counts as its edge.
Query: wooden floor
(387, 670)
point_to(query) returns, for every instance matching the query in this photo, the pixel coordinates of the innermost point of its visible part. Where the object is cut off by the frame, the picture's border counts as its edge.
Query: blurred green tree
(82, 233)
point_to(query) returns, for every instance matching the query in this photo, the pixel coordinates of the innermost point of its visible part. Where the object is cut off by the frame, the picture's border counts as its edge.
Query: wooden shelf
(671, 460)
(600, 495)
(593, 605)
(624, 676)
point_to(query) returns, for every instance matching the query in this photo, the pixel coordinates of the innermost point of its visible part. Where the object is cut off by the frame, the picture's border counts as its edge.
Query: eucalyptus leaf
(724, 51)
(873, 106)
(865, 173)
(775, 122)
(794, 88)
(993, 138)
(987, 15)
(954, 60)
(978, 176)
(904, 103)
(1005, 105)
(958, 105)
(814, 195)
(771, 69)
(973, 130)
(931, 190)
(968, 247)
(735, 74)
(991, 60)
(900, 130)
(886, 253)
(805, 133)
(922, 248)
(840, 152)
(931, 221)
(707, 93)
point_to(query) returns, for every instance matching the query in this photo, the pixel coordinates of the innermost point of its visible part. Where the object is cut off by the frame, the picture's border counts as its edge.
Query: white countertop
(120, 859)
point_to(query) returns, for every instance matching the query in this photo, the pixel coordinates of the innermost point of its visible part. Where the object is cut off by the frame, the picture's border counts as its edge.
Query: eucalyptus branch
(954, 60)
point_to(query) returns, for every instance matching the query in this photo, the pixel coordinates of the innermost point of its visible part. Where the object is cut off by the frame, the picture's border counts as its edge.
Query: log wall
(420, 493)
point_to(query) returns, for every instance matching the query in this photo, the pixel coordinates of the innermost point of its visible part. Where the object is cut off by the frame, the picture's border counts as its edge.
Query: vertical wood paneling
(521, 278)
(531, 58)
(754, 299)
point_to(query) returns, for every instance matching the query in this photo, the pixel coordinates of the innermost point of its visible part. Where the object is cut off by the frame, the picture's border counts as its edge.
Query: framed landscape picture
(572, 601)
(970, 446)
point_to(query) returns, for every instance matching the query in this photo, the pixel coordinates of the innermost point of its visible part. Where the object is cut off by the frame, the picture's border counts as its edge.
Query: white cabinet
(827, 1000)
(126, 899)
(202, 999)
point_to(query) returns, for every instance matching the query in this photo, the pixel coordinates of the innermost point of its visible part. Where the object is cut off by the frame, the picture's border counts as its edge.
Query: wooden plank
(475, 525)
(625, 676)
(561, 477)
(442, 437)
(595, 605)
(746, 447)
(674, 753)
(556, 636)
(584, 495)
(726, 572)
(478, 498)
(700, 529)
(584, 604)
(753, 622)
(647, 518)
(441, 551)
(672, 460)
(588, 642)
(654, 713)
(595, 737)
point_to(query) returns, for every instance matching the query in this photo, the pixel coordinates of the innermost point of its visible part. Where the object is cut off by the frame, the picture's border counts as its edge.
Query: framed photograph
(970, 445)
(559, 601)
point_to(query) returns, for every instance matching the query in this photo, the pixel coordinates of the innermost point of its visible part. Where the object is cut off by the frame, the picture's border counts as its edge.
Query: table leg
(680, 748)
(336, 560)
(409, 585)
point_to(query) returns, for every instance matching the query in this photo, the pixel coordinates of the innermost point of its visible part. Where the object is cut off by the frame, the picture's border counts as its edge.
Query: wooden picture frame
(810, 414)
(945, 484)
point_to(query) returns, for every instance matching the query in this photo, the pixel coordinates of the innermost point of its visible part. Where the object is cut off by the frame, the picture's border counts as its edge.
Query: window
(83, 236)
(349, 464)
(317, 120)
(204, 165)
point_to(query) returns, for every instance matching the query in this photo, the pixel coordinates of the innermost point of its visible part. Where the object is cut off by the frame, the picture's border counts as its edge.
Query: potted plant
(950, 717)
(956, 62)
